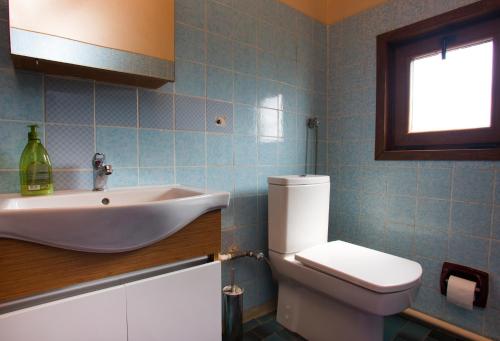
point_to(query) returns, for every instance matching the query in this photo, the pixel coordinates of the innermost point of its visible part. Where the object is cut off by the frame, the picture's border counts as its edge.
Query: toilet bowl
(330, 290)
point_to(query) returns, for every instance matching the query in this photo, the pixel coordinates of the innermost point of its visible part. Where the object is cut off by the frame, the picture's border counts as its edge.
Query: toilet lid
(371, 269)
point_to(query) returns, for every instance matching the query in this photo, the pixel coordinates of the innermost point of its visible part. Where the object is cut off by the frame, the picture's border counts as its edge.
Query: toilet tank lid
(296, 180)
(371, 269)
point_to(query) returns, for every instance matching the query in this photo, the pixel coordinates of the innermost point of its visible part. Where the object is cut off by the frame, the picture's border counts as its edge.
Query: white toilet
(330, 290)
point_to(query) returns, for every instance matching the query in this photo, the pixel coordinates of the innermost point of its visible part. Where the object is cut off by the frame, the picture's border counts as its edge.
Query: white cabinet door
(183, 305)
(96, 316)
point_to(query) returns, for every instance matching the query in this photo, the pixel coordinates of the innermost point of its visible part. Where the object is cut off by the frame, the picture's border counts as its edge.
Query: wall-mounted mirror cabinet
(128, 42)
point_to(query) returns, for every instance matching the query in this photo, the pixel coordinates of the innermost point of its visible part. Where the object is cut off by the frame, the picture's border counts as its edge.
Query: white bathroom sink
(116, 220)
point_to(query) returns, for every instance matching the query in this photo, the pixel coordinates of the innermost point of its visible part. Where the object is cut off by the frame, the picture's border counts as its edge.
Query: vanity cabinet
(96, 316)
(185, 305)
(130, 42)
(181, 305)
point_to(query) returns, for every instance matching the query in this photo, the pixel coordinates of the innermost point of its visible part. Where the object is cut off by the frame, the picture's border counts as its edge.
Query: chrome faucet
(101, 171)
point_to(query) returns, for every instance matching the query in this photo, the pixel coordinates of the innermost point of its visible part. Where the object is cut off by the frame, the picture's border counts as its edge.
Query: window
(436, 86)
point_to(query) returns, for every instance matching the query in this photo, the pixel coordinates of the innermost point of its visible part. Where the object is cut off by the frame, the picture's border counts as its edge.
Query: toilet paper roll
(460, 292)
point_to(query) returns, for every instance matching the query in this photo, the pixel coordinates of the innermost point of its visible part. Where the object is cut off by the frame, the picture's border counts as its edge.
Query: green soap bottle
(35, 169)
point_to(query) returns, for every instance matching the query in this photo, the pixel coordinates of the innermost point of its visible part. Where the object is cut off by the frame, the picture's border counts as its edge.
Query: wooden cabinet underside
(28, 269)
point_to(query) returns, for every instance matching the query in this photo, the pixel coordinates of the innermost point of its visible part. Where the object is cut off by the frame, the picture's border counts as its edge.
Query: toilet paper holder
(471, 274)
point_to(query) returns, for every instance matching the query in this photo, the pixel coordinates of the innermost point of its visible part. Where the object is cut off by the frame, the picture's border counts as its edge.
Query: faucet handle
(108, 169)
(98, 160)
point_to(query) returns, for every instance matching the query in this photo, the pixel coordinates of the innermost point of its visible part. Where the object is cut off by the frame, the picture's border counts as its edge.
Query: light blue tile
(433, 213)
(431, 268)
(21, 96)
(351, 178)
(220, 19)
(191, 176)
(189, 78)
(400, 239)
(219, 84)
(219, 150)
(220, 179)
(189, 149)
(245, 28)
(70, 146)
(156, 176)
(492, 327)
(430, 301)
(189, 113)
(346, 203)
(265, 36)
(14, 137)
(494, 266)
(286, 44)
(245, 150)
(305, 26)
(268, 151)
(245, 120)
(472, 219)
(473, 185)
(69, 101)
(267, 66)
(401, 209)
(286, 16)
(319, 32)
(245, 6)
(9, 182)
(287, 151)
(431, 243)
(189, 43)
(219, 51)
(5, 59)
(167, 88)
(288, 98)
(115, 105)
(372, 206)
(246, 212)
(245, 181)
(191, 12)
(402, 181)
(304, 103)
(497, 188)
(219, 117)
(286, 71)
(245, 59)
(156, 148)
(287, 124)
(72, 180)
(245, 89)
(485, 165)
(469, 251)
(123, 177)
(496, 223)
(434, 182)
(119, 145)
(471, 320)
(374, 180)
(268, 122)
(268, 94)
(370, 233)
(155, 110)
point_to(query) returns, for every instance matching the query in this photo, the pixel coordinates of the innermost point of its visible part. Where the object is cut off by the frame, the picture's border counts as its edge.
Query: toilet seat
(373, 270)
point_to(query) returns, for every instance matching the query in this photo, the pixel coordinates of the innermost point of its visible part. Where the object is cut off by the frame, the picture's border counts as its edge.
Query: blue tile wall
(427, 211)
(258, 64)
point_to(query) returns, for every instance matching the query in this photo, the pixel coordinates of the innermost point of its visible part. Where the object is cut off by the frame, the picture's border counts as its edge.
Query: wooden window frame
(396, 49)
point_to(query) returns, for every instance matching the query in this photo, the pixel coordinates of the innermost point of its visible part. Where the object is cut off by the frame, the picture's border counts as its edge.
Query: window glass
(452, 93)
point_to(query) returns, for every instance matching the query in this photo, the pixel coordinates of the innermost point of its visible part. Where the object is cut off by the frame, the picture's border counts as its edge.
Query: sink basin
(116, 220)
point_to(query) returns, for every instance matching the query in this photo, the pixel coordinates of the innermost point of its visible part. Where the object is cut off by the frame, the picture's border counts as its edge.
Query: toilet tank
(298, 212)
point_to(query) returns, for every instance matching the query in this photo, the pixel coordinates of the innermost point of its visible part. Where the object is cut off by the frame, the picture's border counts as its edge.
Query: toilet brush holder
(233, 311)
